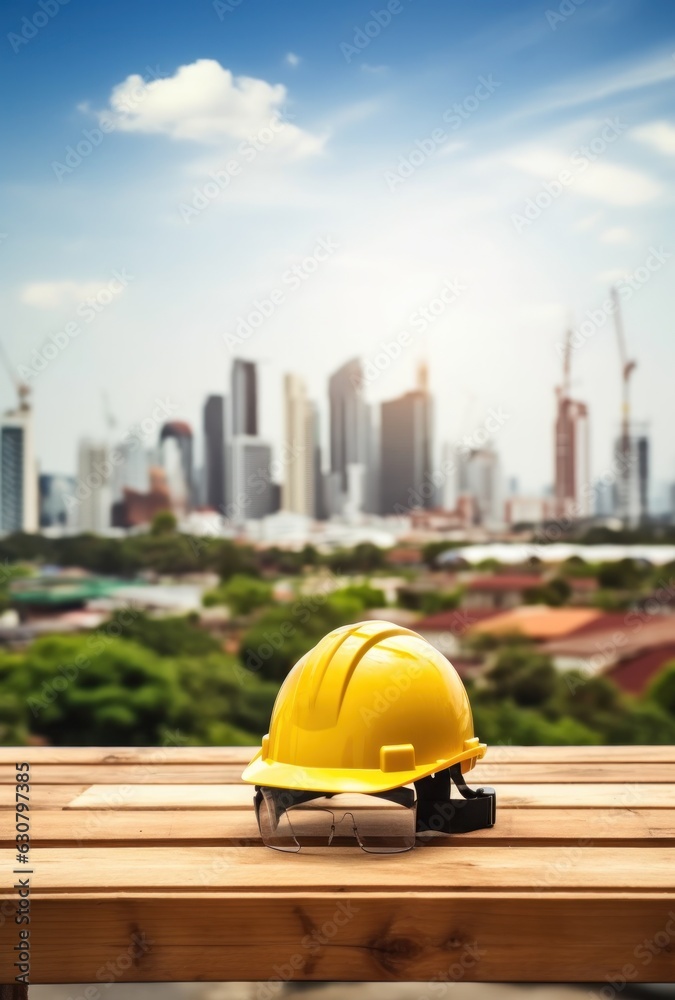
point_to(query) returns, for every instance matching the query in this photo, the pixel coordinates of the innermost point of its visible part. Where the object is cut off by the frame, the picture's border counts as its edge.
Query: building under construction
(572, 494)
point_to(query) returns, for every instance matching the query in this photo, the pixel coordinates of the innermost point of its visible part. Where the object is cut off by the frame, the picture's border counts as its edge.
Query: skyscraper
(405, 477)
(53, 490)
(251, 473)
(93, 490)
(248, 459)
(298, 453)
(175, 442)
(348, 427)
(572, 492)
(214, 452)
(18, 471)
(244, 398)
(479, 476)
(631, 486)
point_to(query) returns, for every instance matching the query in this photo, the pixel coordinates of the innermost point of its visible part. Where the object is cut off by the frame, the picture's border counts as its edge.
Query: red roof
(457, 621)
(635, 674)
(505, 581)
(608, 620)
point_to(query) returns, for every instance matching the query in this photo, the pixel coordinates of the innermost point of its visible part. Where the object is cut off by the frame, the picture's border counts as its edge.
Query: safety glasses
(380, 823)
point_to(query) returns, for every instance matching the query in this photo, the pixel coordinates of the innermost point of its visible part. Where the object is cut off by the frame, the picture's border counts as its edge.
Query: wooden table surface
(147, 866)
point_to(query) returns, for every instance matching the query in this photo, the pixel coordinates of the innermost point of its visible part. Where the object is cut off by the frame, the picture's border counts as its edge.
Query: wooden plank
(127, 755)
(213, 774)
(425, 938)
(179, 869)
(118, 774)
(41, 796)
(237, 796)
(498, 754)
(628, 827)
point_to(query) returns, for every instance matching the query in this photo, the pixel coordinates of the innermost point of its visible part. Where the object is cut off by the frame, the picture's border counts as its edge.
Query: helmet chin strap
(438, 812)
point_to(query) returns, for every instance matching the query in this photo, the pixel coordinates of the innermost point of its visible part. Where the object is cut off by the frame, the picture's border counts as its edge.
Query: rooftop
(538, 621)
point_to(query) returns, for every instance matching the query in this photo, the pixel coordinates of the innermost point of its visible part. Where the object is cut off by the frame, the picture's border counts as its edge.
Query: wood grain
(49, 827)
(224, 796)
(176, 869)
(383, 937)
(148, 861)
(167, 773)
(241, 755)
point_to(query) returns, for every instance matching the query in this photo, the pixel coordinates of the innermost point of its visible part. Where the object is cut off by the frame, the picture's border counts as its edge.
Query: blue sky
(414, 156)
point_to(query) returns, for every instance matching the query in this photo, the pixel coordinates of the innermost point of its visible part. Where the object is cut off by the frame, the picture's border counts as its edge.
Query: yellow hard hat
(371, 707)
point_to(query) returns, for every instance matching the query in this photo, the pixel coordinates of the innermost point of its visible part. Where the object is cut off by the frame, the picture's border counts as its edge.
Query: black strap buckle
(438, 812)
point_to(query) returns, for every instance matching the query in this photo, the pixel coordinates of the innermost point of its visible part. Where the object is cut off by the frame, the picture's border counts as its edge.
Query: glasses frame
(284, 799)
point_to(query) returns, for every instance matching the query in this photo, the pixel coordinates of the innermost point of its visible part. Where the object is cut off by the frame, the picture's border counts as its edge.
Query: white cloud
(203, 102)
(606, 182)
(601, 84)
(616, 235)
(658, 135)
(374, 70)
(292, 59)
(57, 294)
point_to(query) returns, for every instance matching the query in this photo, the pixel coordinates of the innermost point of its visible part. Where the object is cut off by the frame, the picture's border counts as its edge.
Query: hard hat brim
(276, 774)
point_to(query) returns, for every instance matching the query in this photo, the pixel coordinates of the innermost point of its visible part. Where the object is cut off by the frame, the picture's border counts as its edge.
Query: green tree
(242, 594)
(367, 595)
(164, 523)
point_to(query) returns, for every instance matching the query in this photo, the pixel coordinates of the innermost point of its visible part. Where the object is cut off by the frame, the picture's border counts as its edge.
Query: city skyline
(524, 169)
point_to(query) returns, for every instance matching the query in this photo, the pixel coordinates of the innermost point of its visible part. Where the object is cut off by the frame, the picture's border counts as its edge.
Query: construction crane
(628, 366)
(22, 388)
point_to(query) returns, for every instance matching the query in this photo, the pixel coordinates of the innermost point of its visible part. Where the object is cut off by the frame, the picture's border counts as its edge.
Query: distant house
(499, 590)
(404, 556)
(538, 622)
(629, 648)
(446, 629)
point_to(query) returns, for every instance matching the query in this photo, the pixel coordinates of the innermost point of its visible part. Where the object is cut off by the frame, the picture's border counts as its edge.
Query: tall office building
(175, 445)
(406, 474)
(631, 487)
(244, 397)
(251, 472)
(18, 472)
(132, 466)
(479, 476)
(92, 495)
(248, 459)
(214, 452)
(348, 423)
(298, 491)
(53, 490)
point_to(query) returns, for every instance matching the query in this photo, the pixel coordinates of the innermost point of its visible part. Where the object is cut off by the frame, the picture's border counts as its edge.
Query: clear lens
(377, 825)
